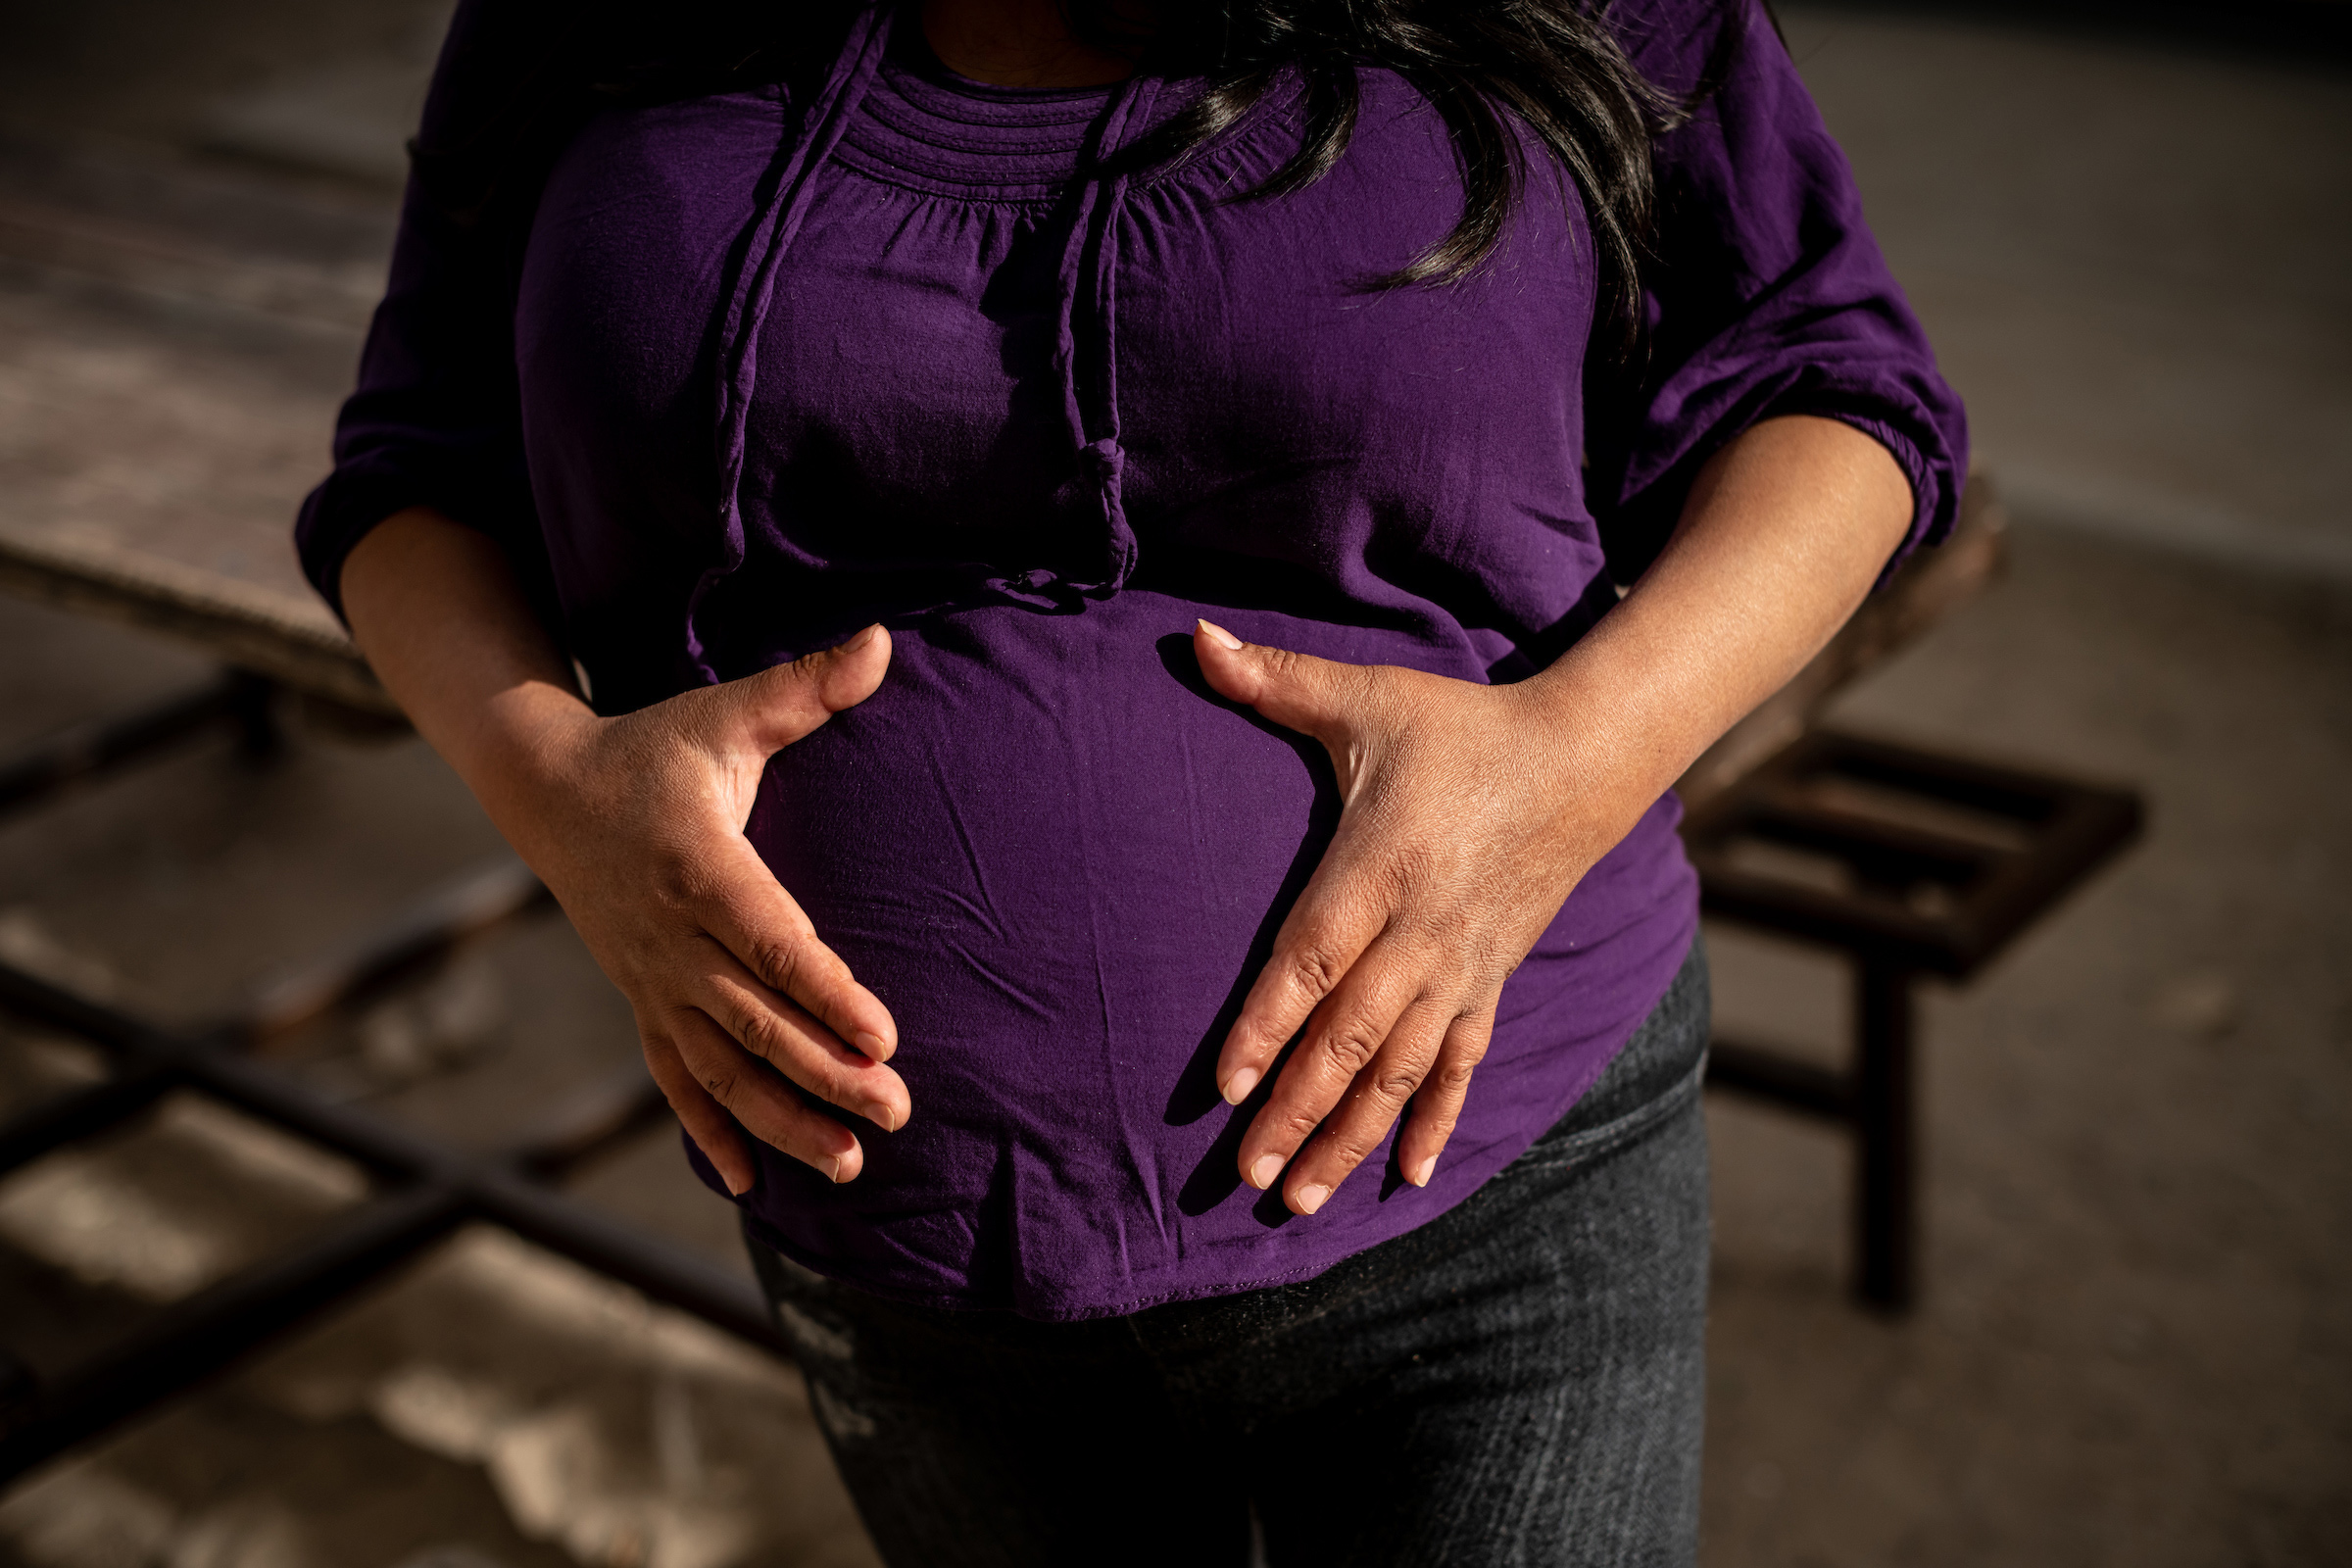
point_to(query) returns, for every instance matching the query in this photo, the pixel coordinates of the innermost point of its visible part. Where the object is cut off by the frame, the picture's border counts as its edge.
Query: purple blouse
(762, 372)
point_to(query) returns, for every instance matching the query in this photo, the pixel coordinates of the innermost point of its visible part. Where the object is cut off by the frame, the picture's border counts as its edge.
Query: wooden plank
(173, 344)
(295, 643)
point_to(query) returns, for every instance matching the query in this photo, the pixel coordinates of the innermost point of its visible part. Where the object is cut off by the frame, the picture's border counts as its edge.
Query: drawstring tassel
(1090, 266)
(821, 129)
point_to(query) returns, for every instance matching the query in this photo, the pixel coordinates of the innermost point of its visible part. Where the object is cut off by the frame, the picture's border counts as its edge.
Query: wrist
(525, 747)
(1606, 761)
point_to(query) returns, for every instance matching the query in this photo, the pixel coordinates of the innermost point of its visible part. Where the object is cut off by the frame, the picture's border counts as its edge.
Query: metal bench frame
(422, 1188)
(1912, 899)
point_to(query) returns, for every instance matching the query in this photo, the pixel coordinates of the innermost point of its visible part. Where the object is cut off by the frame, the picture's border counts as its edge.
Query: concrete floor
(2134, 1346)
(2131, 259)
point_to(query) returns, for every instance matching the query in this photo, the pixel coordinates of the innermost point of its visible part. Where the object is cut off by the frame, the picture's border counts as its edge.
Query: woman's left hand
(1470, 811)
(1466, 818)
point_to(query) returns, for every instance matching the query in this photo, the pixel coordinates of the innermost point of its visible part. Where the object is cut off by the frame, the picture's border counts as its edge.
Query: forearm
(441, 618)
(1783, 535)
(1470, 811)
(636, 826)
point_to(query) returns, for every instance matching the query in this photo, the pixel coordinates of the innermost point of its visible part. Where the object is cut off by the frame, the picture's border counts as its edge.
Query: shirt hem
(1067, 1312)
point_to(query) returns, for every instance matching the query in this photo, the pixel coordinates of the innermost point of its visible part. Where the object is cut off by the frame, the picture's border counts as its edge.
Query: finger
(765, 927)
(1317, 696)
(1321, 940)
(1437, 1103)
(761, 1103)
(1368, 1108)
(1341, 1040)
(783, 1035)
(783, 704)
(706, 1121)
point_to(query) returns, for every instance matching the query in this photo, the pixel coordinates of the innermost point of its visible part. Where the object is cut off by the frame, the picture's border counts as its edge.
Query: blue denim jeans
(1519, 1381)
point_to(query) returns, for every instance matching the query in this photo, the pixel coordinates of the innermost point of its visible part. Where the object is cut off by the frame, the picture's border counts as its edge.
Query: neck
(1017, 43)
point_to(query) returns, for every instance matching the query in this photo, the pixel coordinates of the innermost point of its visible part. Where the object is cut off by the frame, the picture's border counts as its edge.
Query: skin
(1470, 811)
(636, 826)
(1016, 44)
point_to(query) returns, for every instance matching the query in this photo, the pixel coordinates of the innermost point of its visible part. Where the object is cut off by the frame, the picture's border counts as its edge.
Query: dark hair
(1552, 69)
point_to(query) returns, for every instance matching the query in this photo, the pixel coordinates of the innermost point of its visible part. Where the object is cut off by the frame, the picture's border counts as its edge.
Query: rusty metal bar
(414, 937)
(426, 1189)
(193, 1339)
(620, 1251)
(1780, 1079)
(1912, 898)
(42, 769)
(80, 1113)
(1981, 894)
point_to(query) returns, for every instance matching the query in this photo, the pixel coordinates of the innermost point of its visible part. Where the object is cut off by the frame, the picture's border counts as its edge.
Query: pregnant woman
(1092, 608)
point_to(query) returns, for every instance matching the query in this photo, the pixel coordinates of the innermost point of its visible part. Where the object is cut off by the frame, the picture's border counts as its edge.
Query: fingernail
(833, 1169)
(1422, 1172)
(1262, 1174)
(871, 1044)
(881, 1115)
(1220, 634)
(861, 639)
(1311, 1197)
(735, 1189)
(1237, 1088)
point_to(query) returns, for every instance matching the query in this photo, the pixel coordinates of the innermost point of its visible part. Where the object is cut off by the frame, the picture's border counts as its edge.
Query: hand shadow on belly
(1218, 1175)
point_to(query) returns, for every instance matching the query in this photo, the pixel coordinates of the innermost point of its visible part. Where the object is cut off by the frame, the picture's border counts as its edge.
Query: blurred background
(2126, 228)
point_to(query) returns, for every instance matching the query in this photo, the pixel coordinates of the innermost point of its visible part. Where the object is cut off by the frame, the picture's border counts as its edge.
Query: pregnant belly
(1060, 862)
(1050, 851)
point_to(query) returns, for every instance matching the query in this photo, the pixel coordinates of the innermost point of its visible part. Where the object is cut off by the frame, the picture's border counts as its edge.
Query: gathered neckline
(931, 128)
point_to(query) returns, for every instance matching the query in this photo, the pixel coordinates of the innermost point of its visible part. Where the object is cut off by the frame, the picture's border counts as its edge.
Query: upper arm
(1768, 294)
(435, 419)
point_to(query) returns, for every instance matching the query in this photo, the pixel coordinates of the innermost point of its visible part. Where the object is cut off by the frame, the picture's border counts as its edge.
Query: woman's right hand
(636, 826)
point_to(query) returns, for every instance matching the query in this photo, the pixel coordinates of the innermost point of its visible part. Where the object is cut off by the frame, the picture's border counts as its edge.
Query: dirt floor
(2135, 1346)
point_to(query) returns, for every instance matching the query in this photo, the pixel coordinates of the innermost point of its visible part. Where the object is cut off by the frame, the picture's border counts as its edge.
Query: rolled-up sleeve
(1767, 295)
(435, 419)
